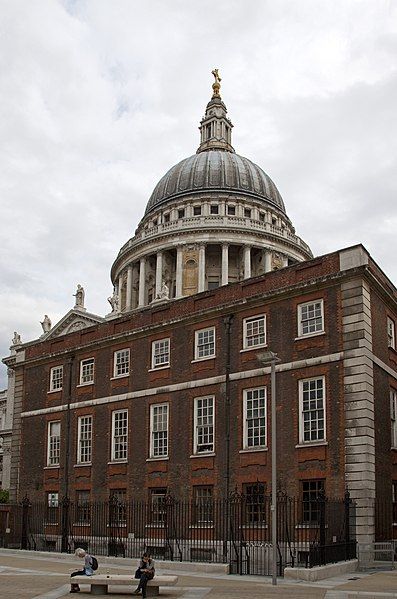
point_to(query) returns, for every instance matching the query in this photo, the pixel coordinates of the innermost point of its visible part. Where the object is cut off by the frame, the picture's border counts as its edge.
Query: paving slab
(26, 575)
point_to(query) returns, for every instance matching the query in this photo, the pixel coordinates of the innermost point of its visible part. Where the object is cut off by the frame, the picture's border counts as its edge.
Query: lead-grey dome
(215, 170)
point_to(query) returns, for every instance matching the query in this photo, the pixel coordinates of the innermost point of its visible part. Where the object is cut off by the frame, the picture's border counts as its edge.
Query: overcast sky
(98, 99)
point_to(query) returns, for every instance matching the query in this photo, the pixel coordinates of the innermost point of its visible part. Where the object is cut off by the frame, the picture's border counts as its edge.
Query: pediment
(73, 321)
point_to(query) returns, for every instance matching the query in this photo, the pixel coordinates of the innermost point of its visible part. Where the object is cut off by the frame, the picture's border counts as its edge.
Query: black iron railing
(235, 531)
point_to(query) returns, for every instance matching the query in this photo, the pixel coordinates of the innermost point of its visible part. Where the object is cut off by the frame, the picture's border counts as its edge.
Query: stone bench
(100, 582)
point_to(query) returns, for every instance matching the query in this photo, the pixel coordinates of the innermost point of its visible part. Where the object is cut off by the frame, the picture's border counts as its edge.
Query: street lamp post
(271, 358)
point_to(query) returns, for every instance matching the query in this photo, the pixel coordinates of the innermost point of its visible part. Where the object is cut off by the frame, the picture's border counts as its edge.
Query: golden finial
(217, 84)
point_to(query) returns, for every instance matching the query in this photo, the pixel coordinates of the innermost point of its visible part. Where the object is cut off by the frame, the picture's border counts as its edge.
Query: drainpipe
(65, 548)
(68, 422)
(228, 323)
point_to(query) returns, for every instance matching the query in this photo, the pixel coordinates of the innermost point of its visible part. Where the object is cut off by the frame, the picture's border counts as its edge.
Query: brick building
(166, 393)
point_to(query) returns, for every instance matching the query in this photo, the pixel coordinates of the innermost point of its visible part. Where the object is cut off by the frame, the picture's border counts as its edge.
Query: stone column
(128, 299)
(178, 273)
(225, 263)
(119, 288)
(201, 276)
(142, 282)
(268, 261)
(159, 273)
(247, 261)
(134, 291)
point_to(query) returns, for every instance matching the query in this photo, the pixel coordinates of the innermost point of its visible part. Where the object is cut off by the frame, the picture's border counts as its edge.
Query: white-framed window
(83, 507)
(121, 362)
(391, 333)
(312, 410)
(52, 507)
(203, 504)
(53, 443)
(119, 435)
(204, 344)
(84, 440)
(254, 331)
(117, 507)
(254, 433)
(87, 367)
(160, 353)
(311, 318)
(159, 508)
(393, 417)
(52, 499)
(56, 378)
(204, 424)
(159, 430)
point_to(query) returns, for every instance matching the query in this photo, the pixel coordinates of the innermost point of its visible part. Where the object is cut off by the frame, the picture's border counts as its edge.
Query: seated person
(144, 572)
(86, 571)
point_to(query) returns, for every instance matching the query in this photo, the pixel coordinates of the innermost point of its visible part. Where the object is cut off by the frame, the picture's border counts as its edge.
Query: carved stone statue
(114, 301)
(16, 340)
(217, 84)
(46, 324)
(79, 295)
(164, 292)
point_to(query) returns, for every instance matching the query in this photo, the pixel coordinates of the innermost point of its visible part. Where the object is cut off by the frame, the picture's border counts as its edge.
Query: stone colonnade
(186, 269)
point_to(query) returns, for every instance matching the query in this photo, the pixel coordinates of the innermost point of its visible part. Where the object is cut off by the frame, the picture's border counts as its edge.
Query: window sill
(113, 462)
(203, 455)
(254, 526)
(120, 376)
(159, 368)
(311, 444)
(194, 526)
(253, 450)
(309, 525)
(158, 459)
(52, 523)
(117, 525)
(82, 465)
(308, 335)
(54, 391)
(85, 384)
(253, 348)
(154, 525)
(203, 359)
(81, 523)
(54, 467)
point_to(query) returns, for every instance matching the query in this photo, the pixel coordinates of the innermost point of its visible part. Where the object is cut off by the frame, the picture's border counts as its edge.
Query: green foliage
(4, 496)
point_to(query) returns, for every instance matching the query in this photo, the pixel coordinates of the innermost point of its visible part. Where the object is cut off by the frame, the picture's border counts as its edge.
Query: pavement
(29, 575)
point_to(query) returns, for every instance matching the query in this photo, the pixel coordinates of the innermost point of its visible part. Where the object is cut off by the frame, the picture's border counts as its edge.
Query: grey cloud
(99, 99)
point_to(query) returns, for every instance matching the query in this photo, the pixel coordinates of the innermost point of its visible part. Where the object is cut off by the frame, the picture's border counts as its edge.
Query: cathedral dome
(215, 170)
(214, 218)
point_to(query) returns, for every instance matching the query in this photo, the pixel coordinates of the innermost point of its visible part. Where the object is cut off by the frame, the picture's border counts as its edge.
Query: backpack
(94, 563)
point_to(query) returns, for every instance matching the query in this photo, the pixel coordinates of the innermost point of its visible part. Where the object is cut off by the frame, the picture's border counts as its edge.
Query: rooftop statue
(46, 324)
(79, 295)
(217, 83)
(16, 340)
(114, 302)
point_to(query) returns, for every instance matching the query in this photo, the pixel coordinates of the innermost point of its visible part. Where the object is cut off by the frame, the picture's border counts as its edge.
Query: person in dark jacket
(144, 572)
